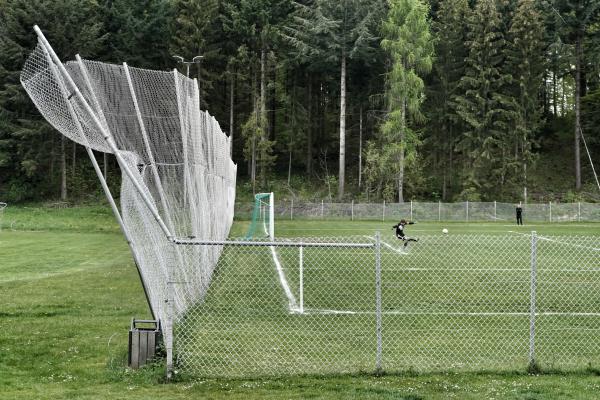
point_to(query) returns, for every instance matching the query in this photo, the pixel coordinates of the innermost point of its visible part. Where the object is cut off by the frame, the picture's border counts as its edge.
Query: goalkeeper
(399, 227)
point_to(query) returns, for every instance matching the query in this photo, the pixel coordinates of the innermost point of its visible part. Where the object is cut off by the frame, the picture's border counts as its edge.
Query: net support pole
(271, 216)
(411, 210)
(301, 273)
(169, 322)
(292, 210)
(104, 184)
(383, 213)
(439, 210)
(532, 306)
(378, 332)
(467, 210)
(550, 211)
(352, 210)
(146, 140)
(578, 211)
(184, 138)
(322, 209)
(105, 134)
(495, 211)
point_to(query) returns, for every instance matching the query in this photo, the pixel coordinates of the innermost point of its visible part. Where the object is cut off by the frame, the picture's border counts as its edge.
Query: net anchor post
(378, 356)
(301, 272)
(168, 326)
(533, 366)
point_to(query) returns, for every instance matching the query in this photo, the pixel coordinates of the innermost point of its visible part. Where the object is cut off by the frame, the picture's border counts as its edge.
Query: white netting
(177, 154)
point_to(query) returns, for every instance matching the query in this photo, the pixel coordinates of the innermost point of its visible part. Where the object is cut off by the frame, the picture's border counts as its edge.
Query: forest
(397, 100)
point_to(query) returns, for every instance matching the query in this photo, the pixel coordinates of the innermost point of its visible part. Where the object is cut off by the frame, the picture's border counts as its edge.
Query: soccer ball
(445, 231)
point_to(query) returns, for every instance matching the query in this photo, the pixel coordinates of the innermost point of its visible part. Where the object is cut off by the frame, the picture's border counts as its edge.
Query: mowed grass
(68, 289)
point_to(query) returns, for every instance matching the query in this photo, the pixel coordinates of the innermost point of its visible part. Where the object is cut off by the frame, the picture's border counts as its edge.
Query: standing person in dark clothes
(400, 232)
(519, 214)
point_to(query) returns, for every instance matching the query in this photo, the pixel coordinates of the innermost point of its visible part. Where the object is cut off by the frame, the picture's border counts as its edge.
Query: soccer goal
(263, 217)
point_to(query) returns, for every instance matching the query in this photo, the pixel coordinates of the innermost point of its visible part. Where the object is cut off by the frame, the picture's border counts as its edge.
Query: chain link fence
(346, 305)
(430, 211)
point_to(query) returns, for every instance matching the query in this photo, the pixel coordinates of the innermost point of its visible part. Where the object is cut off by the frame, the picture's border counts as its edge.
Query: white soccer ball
(445, 231)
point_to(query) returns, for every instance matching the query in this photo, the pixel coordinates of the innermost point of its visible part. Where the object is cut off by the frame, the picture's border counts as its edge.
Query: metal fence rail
(448, 302)
(430, 211)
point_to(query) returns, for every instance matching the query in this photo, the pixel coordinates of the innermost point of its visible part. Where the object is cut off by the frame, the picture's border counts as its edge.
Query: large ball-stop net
(176, 154)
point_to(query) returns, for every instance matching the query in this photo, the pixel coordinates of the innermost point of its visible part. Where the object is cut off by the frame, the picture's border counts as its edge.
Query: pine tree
(449, 67)
(484, 107)
(408, 40)
(26, 139)
(526, 60)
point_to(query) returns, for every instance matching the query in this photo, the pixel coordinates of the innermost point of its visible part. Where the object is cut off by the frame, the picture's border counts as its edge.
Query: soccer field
(68, 290)
(461, 301)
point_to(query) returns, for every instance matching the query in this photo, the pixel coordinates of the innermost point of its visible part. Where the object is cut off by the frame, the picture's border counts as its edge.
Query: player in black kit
(400, 232)
(519, 210)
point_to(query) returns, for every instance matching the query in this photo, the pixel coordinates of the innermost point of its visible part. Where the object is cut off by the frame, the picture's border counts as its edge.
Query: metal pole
(378, 356)
(352, 210)
(321, 209)
(383, 217)
(439, 210)
(184, 143)
(102, 179)
(271, 216)
(301, 257)
(578, 211)
(292, 210)
(169, 323)
(467, 209)
(411, 210)
(106, 135)
(495, 215)
(550, 211)
(532, 308)
(146, 140)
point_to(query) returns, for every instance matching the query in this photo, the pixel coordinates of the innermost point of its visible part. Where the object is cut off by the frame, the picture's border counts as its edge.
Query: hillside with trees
(343, 99)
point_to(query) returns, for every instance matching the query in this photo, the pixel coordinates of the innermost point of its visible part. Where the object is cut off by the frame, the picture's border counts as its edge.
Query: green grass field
(68, 290)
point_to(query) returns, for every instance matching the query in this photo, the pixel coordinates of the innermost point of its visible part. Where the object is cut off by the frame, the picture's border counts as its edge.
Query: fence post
(170, 300)
(550, 211)
(292, 210)
(378, 301)
(495, 213)
(383, 217)
(301, 266)
(578, 211)
(467, 210)
(532, 307)
(411, 211)
(439, 210)
(352, 210)
(321, 209)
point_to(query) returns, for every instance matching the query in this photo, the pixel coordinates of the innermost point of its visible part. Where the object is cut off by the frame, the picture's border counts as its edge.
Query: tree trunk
(263, 114)
(401, 158)
(63, 170)
(231, 98)
(554, 94)
(74, 158)
(342, 170)
(360, 134)
(309, 144)
(105, 165)
(578, 66)
(257, 116)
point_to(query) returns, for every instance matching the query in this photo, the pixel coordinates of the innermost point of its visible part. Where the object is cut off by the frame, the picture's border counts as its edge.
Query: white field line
(292, 304)
(547, 239)
(387, 245)
(440, 313)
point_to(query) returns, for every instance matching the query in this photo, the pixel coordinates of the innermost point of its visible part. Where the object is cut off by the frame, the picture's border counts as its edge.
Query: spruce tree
(484, 107)
(525, 58)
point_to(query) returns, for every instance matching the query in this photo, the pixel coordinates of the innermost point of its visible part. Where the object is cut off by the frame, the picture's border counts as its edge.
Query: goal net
(178, 180)
(262, 224)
